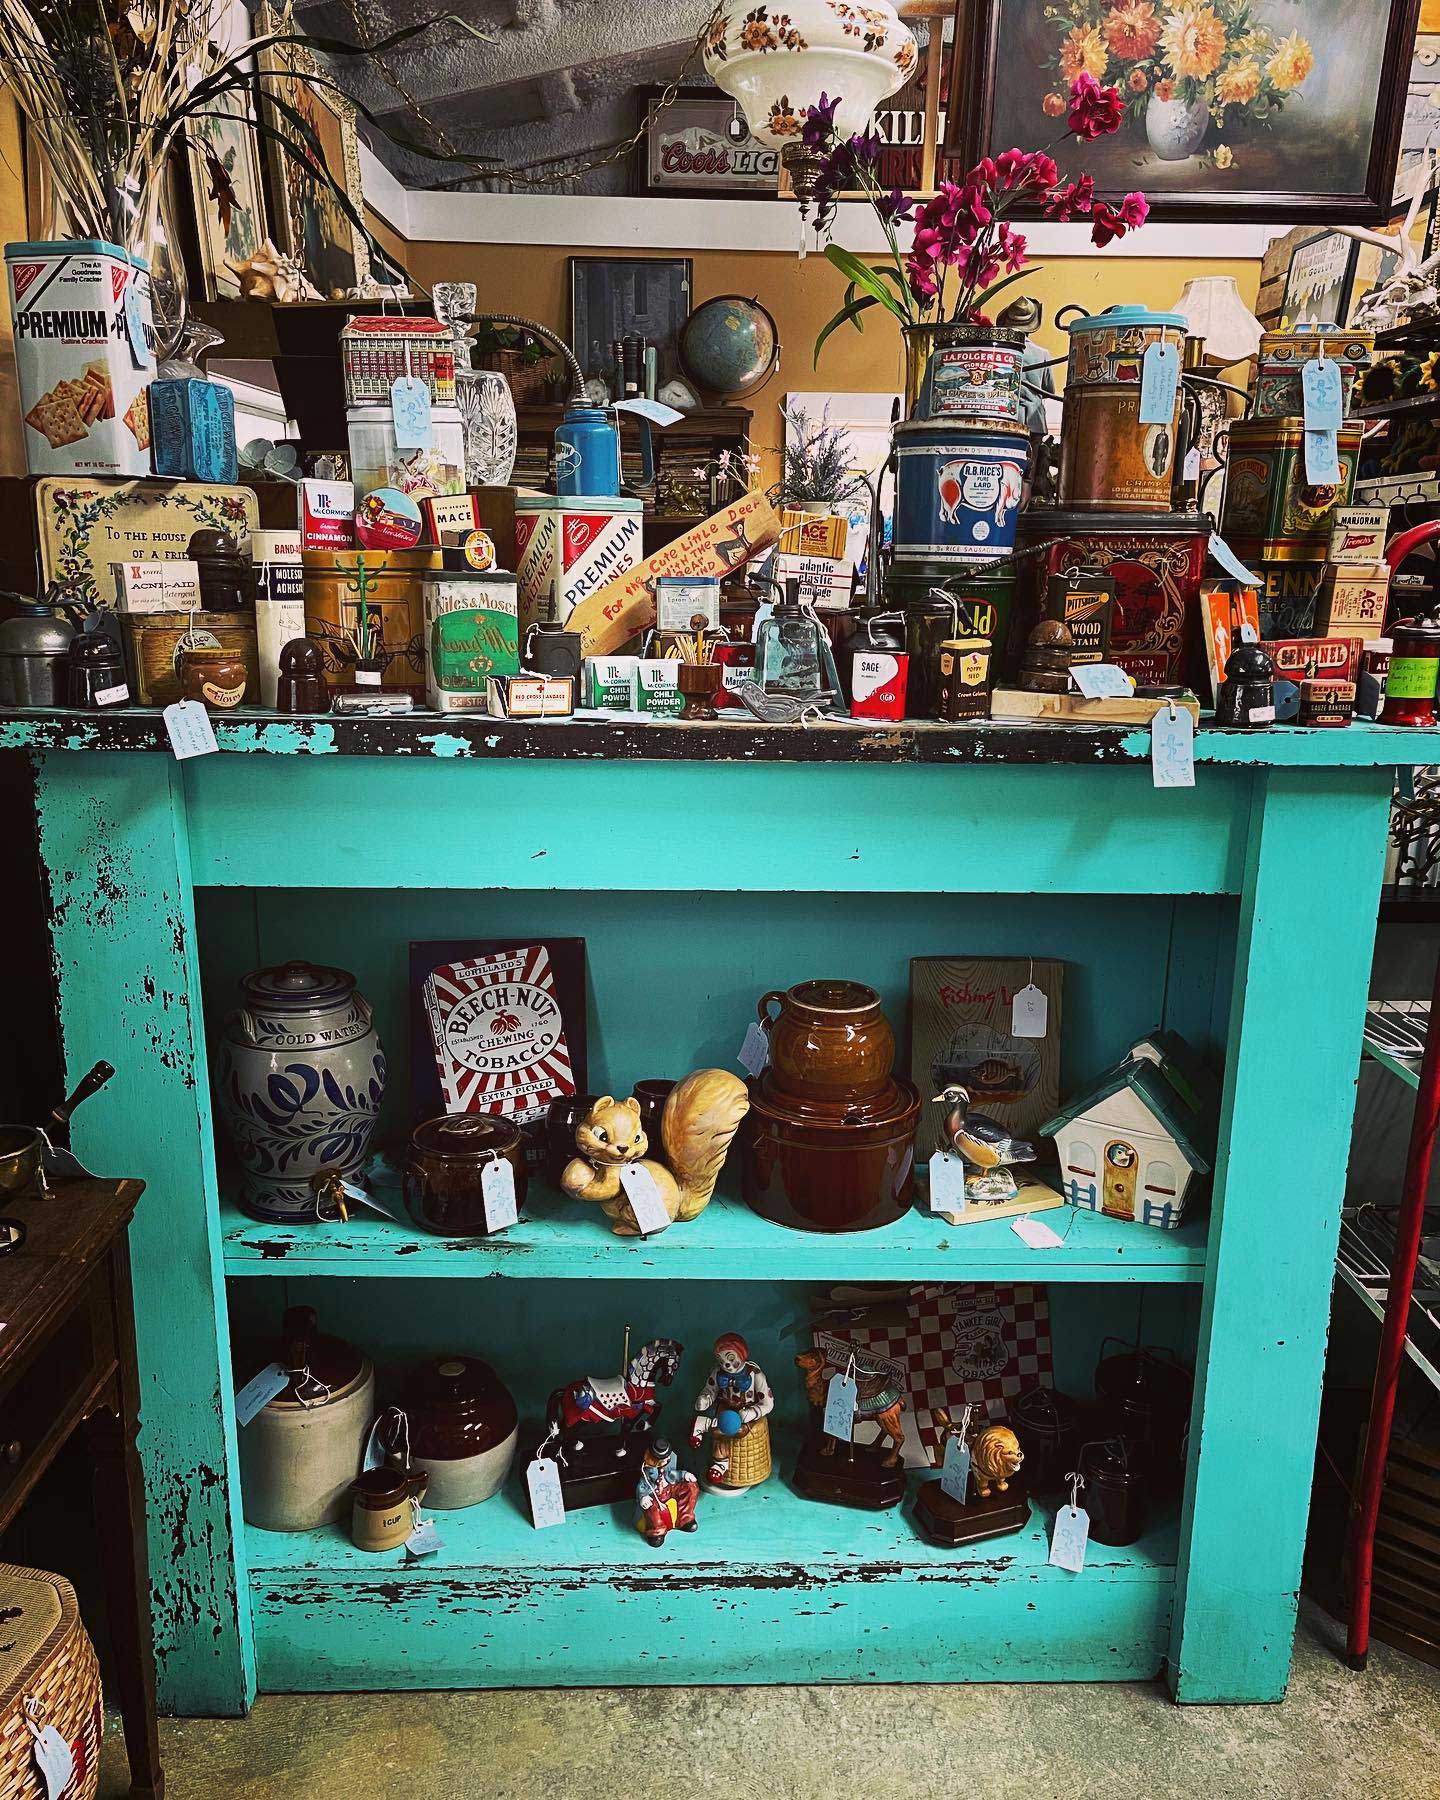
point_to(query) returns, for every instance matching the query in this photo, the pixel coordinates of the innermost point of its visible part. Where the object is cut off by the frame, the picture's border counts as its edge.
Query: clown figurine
(665, 1495)
(734, 1404)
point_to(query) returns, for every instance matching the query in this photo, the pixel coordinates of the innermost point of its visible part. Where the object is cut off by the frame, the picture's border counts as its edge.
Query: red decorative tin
(1314, 659)
(1156, 561)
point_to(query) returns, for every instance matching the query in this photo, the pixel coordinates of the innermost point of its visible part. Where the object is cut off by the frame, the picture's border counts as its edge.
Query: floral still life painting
(1231, 106)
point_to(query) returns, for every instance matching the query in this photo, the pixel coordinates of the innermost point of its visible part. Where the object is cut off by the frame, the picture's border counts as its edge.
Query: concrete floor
(1376, 1735)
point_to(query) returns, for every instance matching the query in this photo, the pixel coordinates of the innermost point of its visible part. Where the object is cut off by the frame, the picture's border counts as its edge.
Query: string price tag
(53, 1758)
(638, 1187)
(955, 1470)
(1322, 459)
(547, 1503)
(140, 352)
(1029, 1012)
(840, 1401)
(754, 1050)
(1230, 562)
(1102, 681)
(424, 1538)
(1321, 394)
(1190, 469)
(497, 1193)
(259, 1391)
(1036, 1233)
(191, 733)
(1172, 748)
(1159, 381)
(1069, 1538)
(655, 411)
(410, 409)
(947, 1183)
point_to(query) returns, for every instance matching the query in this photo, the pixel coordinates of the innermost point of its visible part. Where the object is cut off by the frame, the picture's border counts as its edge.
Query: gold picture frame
(309, 222)
(228, 129)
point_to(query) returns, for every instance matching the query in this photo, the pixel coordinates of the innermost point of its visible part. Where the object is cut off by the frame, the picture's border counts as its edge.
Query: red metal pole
(1365, 1506)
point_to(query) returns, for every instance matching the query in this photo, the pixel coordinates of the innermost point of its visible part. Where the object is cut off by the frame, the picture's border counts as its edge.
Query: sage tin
(472, 627)
(1268, 500)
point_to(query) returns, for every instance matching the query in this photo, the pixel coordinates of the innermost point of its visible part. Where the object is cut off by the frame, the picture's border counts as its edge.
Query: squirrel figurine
(702, 1114)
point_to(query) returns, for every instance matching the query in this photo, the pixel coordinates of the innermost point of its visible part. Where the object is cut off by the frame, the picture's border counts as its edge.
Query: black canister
(864, 630)
(1113, 1471)
(652, 1096)
(1144, 1396)
(561, 1118)
(34, 645)
(552, 650)
(95, 673)
(227, 579)
(1049, 1425)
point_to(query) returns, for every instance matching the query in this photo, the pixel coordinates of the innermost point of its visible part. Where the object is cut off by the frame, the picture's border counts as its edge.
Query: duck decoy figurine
(984, 1145)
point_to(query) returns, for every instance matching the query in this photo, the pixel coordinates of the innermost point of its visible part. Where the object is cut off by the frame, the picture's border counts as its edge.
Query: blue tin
(587, 452)
(957, 491)
(192, 430)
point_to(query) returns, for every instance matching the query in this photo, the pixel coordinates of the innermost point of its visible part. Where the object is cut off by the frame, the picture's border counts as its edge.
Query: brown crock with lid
(443, 1182)
(463, 1424)
(830, 1041)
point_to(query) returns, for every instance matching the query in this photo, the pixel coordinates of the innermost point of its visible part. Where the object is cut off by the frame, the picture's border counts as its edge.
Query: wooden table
(67, 1357)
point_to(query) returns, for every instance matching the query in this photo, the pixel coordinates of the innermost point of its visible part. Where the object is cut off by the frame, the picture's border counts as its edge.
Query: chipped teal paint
(1293, 827)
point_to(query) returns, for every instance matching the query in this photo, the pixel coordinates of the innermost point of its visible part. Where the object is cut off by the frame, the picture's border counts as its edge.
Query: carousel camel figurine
(876, 1402)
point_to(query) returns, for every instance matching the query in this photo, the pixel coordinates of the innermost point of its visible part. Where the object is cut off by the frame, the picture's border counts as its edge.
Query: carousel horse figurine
(628, 1400)
(876, 1402)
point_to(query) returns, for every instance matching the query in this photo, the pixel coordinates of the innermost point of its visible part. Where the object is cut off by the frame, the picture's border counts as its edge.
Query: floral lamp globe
(777, 62)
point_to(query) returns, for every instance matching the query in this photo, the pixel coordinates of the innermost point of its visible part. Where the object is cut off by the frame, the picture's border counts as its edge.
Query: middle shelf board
(560, 1237)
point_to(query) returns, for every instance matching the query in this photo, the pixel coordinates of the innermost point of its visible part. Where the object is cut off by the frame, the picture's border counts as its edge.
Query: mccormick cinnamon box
(83, 383)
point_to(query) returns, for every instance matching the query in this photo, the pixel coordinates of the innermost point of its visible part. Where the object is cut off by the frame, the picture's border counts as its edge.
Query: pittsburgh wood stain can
(1109, 461)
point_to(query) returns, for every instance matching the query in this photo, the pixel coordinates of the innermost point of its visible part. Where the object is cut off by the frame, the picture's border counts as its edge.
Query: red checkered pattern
(967, 1344)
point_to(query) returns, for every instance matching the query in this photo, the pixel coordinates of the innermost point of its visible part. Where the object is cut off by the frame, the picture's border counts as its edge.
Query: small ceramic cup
(652, 1096)
(380, 1517)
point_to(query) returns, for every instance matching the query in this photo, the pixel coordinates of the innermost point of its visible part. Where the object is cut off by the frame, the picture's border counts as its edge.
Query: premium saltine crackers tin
(83, 389)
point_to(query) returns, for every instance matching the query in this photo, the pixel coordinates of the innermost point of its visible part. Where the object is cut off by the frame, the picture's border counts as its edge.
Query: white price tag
(955, 1470)
(840, 1400)
(1102, 681)
(547, 1502)
(410, 411)
(1159, 382)
(947, 1182)
(1247, 633)
(1322, 459)
(638, 1187)
(1230, 562)
(1036, 1233)
(259, 1391)
(191, 733)
(755, 1050)
(1172, 748)
(656, 411)
(54, 1759)
(1069, 1538)
(424, 1539)
(140, 352)
(118, 695)
(1190, 468)
(359, 1197)
(1029, 1012)
(497, 1191)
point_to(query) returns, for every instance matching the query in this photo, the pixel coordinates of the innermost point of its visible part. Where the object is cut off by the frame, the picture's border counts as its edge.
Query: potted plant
(962, 250)
(816, 475)
(527, 364)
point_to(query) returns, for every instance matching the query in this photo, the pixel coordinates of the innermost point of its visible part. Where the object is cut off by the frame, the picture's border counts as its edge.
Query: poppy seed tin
(958, 491)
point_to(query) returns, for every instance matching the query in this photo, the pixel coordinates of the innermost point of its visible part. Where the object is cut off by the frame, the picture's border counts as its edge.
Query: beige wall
(803, 296)
(12, 229)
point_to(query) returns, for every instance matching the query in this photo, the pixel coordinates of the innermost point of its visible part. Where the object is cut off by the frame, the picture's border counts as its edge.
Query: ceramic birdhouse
(1133, 1143)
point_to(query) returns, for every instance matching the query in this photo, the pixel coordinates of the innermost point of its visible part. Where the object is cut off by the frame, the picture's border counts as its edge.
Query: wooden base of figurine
(603, 1473)
(857, 1475)
(945, 1521)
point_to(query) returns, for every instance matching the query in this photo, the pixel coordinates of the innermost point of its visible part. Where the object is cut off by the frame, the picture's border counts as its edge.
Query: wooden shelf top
(595, 738)
(564, 1238)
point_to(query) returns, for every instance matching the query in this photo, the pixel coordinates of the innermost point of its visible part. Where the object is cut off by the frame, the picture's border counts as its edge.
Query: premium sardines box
(83, 356)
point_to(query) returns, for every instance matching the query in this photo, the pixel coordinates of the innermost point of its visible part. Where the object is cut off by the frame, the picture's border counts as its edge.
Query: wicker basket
(47, 1659)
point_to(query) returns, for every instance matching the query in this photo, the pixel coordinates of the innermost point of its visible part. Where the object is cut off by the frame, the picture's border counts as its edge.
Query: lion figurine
(995, 1456)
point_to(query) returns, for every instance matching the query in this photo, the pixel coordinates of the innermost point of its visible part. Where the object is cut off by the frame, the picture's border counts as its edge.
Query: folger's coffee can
(974, 380)
(958, 492)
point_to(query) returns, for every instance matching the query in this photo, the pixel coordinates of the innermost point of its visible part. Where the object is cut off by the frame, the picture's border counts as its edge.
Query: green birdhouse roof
(1147, 1081)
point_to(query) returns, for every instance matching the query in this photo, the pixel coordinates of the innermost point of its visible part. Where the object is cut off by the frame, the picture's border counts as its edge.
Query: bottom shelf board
(771, 1588)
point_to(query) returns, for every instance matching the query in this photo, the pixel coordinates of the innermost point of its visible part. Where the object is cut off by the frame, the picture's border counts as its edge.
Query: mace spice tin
(958, 491)
(1156, 562)
(1109, 461)
(1267, 497)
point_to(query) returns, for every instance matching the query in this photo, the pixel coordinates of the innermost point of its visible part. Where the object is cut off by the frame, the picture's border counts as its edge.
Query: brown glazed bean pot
(463, 1425)
(830, 1041)
(443, 1190)
(834, 1175)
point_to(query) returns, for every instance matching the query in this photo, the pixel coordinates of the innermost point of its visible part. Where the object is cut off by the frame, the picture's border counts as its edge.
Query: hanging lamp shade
(1213, 310)
(777, 61)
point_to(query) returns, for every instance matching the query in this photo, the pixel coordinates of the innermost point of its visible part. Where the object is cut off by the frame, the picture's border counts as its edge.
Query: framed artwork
(230, 212)
(309, 221)
(1421, 123)
(612, 296)
(692, 148)
(1234, 109)
(1318, 281)
(1373, 268)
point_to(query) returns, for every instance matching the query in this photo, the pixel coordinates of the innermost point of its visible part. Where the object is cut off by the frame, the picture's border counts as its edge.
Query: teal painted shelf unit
(703, 869)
